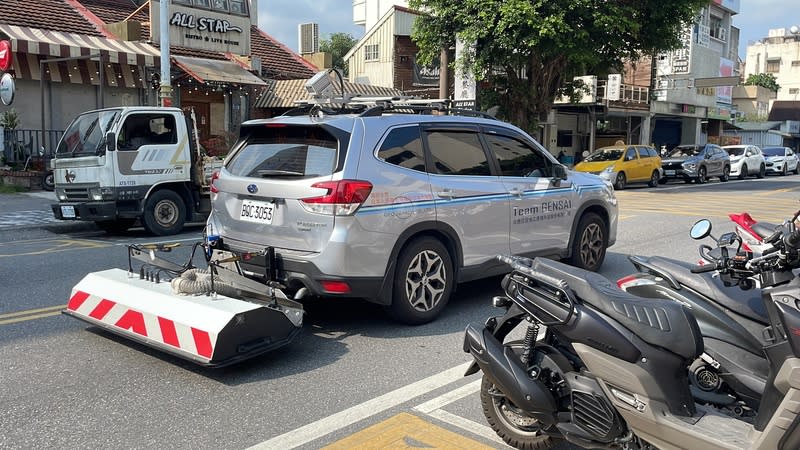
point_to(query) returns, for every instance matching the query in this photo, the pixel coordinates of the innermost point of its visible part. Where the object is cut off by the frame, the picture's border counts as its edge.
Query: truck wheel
(423, 282)
(115, 226)
(164, 213)
(589, 243)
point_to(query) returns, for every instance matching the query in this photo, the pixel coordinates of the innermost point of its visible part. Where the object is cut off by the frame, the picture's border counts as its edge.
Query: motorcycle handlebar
(704, 268)
(792, 240)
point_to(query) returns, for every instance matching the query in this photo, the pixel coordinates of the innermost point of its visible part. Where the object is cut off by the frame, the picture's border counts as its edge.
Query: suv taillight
(342, 199)
(214, 177)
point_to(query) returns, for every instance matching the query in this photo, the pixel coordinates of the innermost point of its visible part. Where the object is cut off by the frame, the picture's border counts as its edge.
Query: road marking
(30, 314)
(405, 431)
(347, 417)
(57, 245)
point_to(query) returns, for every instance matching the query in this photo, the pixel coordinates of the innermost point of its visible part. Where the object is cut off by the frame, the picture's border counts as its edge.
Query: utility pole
(165, 89)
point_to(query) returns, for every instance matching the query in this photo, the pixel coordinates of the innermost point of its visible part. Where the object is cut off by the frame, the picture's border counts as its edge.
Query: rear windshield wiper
(278, 172)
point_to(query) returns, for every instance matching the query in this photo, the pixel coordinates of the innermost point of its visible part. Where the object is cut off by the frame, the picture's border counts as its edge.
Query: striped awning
(26, 67)
(54, 44)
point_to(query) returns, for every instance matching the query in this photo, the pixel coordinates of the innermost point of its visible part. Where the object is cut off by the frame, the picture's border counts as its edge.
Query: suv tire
(701, 175)
(424, 279)
(743, 172)
(726, 174)
(762, 171)
(590, 243)
(653, 179)
(619, 184)
(164, 213)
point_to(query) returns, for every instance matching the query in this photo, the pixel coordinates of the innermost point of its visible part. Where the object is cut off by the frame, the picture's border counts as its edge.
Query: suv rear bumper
(295, 273)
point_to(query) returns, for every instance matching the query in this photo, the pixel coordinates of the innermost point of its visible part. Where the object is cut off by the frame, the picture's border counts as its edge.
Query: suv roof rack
(377, 106)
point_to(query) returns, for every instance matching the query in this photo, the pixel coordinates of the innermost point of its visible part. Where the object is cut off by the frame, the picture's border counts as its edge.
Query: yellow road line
(26, 318)
(32, 311)
(59, 245)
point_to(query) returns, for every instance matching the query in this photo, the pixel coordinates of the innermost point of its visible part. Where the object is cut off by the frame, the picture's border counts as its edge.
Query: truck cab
(115, 166)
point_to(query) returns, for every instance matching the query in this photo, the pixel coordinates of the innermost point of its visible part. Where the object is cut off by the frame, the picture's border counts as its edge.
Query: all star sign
(203, 29)
(5, 56)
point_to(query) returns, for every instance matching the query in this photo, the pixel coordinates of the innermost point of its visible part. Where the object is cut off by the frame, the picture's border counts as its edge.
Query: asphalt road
(352, 378)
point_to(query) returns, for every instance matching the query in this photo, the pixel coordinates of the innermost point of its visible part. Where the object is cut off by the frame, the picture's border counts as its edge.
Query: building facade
(778, 54)
(70, 56)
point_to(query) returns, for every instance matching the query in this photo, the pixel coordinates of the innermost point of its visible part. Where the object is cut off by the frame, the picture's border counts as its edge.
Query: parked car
(746, 160)
(398, 208)
(696, 162)
(781, 160)
(624, 164)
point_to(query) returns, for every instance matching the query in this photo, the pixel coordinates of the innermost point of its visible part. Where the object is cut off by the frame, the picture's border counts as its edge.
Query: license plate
(68, 212)
(669, 172)
(257, 212)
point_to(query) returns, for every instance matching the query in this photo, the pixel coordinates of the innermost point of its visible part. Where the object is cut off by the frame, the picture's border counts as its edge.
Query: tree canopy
(766, 80)
(528, 49)
(338, 45)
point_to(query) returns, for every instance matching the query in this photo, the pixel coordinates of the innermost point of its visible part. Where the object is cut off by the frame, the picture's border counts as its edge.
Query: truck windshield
(85, 136)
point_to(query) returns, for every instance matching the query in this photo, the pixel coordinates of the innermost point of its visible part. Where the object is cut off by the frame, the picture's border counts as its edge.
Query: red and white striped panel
(160, 329)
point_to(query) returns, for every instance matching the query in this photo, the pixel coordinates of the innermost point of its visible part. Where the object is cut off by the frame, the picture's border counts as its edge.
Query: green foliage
(9, 119)
(766, 80)
(528, 49)
(338, 44)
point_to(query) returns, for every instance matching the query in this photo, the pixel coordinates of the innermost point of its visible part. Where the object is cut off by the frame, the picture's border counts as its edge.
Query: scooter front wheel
(516, 428)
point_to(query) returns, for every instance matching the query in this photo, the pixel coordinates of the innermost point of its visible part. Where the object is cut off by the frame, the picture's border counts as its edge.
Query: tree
(528, 49)
(766, 80)
(338, 45)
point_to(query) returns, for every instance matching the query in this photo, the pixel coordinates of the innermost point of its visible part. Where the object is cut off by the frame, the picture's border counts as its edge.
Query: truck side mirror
(111, 141)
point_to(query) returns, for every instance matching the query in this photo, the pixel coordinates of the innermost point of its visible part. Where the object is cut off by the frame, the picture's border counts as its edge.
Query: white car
(781, 160)
(746, 160)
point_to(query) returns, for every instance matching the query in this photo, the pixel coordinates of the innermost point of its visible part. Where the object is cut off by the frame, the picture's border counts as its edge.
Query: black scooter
(613, 370)
(733, 370)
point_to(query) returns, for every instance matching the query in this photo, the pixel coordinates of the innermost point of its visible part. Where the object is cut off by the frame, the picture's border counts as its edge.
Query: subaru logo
(252, 188)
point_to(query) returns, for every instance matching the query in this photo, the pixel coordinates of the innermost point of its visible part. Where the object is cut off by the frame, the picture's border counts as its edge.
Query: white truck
(115, 166)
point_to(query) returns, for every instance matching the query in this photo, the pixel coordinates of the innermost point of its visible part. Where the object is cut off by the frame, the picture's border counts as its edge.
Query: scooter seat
(764, 229)
(746, 303)
(663, 324)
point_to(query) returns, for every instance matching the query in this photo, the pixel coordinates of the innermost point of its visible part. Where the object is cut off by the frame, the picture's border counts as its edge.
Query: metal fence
(20, 144)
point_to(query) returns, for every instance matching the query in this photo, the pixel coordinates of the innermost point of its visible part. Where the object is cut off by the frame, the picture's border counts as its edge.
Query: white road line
(433, 409)
(347, 417)
(475, 428)
(449, 397)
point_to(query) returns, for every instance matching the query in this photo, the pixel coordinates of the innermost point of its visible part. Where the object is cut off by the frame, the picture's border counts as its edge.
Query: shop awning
(220, 71)
(55, 44)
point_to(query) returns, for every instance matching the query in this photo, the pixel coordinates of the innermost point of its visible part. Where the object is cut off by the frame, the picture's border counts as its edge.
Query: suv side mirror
(111, 141)
(559, 172)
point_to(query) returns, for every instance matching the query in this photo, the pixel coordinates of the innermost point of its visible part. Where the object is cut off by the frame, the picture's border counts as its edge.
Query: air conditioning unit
(309, 38)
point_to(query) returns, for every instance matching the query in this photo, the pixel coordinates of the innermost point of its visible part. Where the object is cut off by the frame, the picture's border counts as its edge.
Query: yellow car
(623, 164)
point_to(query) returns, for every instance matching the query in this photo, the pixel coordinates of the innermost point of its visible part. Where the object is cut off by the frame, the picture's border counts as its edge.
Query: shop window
(796, 63)
(773, 65)
(794, 91)
(371, 52)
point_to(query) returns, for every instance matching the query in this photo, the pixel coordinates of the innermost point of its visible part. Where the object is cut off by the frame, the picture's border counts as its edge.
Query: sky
(279, 18)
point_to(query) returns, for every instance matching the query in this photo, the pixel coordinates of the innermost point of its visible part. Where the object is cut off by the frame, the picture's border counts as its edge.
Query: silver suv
(399, 208)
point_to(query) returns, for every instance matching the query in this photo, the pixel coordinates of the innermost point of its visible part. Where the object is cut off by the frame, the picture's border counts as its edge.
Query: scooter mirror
(700, 229)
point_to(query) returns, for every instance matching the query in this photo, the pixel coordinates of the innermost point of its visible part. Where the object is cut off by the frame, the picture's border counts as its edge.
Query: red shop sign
(5, 55)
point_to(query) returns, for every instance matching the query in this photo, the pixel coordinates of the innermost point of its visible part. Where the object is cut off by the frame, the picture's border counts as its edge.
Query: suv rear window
(286, 151)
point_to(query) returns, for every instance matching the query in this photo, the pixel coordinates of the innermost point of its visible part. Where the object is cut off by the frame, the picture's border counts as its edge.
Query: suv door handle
(447, 193)
(516, 191)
